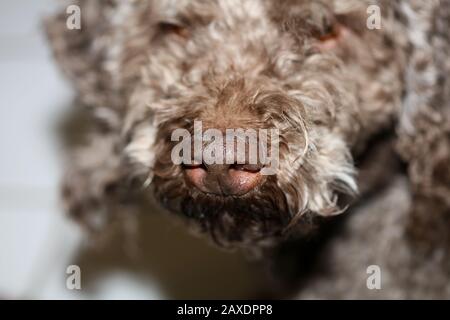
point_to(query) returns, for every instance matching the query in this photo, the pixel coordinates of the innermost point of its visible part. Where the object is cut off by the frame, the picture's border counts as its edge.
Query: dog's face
(310, 69)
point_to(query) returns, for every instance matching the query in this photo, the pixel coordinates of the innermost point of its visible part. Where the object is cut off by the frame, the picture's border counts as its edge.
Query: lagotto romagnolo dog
(363, 116)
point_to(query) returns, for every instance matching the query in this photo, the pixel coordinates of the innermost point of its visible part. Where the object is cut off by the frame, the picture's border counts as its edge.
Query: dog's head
(310, 71)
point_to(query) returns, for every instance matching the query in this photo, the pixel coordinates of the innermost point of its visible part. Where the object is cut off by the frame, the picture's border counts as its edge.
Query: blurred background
(37, 241)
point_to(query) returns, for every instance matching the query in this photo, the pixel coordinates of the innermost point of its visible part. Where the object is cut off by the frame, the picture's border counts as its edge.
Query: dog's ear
(83, 53)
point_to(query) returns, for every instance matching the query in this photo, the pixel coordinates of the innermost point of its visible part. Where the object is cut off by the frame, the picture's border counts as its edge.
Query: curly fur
(145, 68)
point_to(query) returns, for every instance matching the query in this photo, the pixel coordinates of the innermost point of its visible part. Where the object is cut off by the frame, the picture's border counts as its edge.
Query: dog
(332, 85)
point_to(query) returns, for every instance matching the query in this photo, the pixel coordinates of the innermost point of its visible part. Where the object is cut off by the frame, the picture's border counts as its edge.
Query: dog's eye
(329, 37)
(168, 28)
(329, 32)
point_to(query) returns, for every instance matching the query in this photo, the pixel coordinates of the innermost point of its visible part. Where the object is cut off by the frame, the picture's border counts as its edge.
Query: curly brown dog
(363, 117)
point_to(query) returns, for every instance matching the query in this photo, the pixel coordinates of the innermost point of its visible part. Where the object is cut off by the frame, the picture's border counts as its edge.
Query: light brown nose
(223, 179)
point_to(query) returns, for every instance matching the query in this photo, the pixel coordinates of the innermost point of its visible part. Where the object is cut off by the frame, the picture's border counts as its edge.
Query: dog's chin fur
(256, 218)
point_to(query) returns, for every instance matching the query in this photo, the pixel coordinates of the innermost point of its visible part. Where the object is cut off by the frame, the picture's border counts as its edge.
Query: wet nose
(223, 179)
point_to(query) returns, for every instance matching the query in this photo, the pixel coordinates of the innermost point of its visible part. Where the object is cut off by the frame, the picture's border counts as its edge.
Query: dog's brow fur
(146, 68)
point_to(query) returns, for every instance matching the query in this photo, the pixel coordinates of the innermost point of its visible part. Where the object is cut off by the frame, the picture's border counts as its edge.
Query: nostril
(252, 168)
(236, 179)
(193, 166)
(243, 178)
(195, 175)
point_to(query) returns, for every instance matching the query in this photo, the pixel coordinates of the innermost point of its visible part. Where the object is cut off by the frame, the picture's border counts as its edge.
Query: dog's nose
(223, 179)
